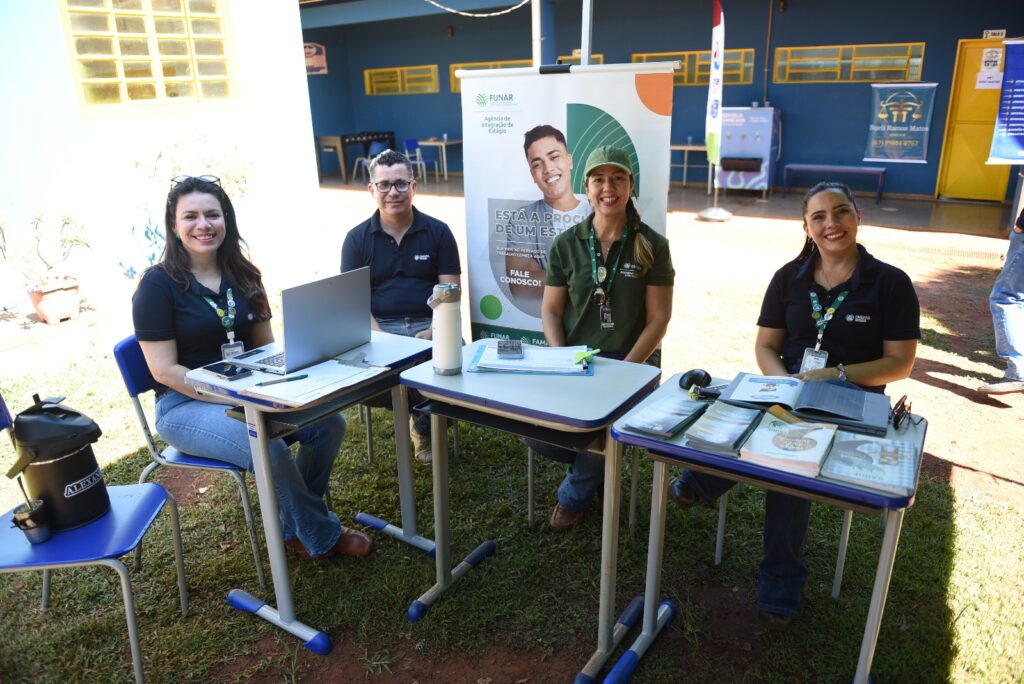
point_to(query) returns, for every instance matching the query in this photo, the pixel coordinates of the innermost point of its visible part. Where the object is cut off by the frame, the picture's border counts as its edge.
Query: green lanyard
(599, 292)
(821, 321)
(227, 318)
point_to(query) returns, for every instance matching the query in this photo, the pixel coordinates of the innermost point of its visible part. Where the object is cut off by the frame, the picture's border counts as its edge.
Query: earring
(177, 237)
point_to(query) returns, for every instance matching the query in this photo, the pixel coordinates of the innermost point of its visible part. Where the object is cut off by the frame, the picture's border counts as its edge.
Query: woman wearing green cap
(609, 286)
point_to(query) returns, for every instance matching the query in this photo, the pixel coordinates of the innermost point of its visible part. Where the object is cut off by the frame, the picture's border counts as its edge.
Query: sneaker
(774, 622)
(1004, 386)
(681, 494)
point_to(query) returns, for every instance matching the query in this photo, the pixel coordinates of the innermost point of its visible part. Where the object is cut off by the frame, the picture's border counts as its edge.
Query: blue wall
(821, 122)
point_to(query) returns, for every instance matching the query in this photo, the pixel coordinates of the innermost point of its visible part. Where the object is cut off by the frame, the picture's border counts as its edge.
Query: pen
(280, 380)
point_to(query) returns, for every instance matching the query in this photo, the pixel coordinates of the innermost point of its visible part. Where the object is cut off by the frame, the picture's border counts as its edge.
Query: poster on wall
(901, 116)
(526, 138)
(1008, 135)
(316, 59)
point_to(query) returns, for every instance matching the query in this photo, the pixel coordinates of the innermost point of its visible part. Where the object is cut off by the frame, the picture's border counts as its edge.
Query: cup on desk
(32, 521)
(444, 137)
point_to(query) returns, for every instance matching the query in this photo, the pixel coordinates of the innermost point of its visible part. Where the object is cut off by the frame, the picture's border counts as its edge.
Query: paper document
(536, 359)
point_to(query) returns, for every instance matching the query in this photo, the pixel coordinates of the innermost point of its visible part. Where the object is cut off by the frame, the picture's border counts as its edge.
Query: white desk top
(689, 147)
(563, 402)
(383, 349)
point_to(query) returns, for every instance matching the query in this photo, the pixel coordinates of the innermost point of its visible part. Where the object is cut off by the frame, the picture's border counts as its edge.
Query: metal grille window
(575, 59)
(456, 84)
(849, 63)
(412, 80)
(137, 51)
(695, 66)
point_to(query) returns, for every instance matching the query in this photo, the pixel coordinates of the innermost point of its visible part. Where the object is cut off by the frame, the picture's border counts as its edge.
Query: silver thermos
(446, 328)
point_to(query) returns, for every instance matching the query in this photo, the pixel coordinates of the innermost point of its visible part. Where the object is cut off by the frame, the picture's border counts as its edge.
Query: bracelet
(842, 372)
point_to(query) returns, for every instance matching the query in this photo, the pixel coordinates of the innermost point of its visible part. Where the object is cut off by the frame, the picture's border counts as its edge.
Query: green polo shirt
(569, 266)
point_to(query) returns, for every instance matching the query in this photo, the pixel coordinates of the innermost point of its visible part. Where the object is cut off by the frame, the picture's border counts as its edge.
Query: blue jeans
(586, 470)
(783, 573)
(1007, 305)
(203, 429)
(408, 326)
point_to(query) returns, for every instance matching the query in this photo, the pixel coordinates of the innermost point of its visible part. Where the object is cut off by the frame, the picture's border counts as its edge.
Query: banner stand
(714, 212)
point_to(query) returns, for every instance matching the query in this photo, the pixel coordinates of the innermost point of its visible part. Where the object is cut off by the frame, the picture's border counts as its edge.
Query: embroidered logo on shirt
(421, 257)
(857, 318)
(631, 270)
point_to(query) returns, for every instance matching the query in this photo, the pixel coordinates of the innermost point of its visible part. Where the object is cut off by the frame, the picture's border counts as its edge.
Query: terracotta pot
(57, 301)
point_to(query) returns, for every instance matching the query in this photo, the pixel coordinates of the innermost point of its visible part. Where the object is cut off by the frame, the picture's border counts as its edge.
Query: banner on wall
(1008, 136)
(526, 138)
(316, 59)
(901, 117)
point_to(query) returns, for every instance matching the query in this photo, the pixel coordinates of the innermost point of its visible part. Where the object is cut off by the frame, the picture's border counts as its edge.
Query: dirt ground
(974, 441)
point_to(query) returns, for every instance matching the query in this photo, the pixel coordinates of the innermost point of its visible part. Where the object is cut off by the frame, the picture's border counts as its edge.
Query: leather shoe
(563, 519)
(350, 543)
(774, 622)
(681, 494)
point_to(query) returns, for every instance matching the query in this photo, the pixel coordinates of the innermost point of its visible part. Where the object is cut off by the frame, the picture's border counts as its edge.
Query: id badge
(813, 359)
(606, 317)
(231, 349)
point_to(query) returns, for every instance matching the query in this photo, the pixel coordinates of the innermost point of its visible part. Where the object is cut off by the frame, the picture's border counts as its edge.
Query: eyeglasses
(178, 180)
(384, 187)
(900, 413)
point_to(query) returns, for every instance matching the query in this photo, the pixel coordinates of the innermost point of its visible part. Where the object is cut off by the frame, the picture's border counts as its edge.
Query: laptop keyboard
(277, 360)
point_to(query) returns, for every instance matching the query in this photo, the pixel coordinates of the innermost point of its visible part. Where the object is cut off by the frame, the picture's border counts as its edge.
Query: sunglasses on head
(178, 180)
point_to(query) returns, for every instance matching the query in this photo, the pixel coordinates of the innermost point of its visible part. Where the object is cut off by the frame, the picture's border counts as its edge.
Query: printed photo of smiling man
(533, 227)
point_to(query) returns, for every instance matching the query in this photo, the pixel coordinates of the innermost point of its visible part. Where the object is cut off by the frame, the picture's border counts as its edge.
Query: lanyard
(821, 320)
(227, 318)
(595, 273)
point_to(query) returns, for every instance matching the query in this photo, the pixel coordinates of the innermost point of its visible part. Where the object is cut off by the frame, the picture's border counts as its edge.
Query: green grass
(954, 611)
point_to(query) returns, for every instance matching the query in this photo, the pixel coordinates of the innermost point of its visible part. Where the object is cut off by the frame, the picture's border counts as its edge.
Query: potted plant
(52, 289)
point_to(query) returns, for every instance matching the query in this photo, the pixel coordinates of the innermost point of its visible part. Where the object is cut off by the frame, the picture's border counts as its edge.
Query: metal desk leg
(284, 614)
(444, 160)
(406, 492)
(656, 617)
(886, 557)
(607, 636)
(446, 576)
(686, 163)
(844, 540)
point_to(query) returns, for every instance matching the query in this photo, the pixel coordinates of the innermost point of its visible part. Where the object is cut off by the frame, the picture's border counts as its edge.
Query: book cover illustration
(721, 428)
(794, 447)
(886, 465)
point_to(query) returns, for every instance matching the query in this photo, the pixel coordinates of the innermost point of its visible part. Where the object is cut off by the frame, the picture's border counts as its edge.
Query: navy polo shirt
(162, 309)
(402, 276)
(881, 305)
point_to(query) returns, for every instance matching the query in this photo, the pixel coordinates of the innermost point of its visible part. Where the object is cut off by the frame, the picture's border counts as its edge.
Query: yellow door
(963, 173)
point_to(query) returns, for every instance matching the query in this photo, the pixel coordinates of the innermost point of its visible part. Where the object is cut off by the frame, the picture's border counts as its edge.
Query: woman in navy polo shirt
(833, 313)
(205, 301)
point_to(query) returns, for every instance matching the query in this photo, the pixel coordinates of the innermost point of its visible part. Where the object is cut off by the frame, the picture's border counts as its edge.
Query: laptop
(322, 319)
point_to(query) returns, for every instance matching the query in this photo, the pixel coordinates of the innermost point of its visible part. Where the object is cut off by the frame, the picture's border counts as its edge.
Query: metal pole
(585, 35)
(535, 31)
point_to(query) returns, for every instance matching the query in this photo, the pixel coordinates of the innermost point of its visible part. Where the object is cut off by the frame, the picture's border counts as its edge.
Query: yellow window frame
(862, 63)
(575, 59)
(695, 66)
(139, 72)
(456, 85)
(407, 80)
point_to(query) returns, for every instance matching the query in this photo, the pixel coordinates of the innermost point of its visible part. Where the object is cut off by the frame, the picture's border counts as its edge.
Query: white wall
(101, 165)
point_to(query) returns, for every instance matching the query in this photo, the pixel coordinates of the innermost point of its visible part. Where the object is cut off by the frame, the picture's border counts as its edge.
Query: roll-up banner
(526, 138)
(901, 117)
(1008, 136)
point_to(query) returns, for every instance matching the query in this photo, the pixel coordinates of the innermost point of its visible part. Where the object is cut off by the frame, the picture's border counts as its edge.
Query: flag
(713, 122)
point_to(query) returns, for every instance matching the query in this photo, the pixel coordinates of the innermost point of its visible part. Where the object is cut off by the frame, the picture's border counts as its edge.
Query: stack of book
(885, 465)
(666, 416)
(722, 428)
(797, 448)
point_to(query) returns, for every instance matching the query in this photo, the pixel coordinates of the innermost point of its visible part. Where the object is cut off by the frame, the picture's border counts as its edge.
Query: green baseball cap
(607, 154)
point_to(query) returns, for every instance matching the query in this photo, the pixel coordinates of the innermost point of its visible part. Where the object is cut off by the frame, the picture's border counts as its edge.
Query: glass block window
(849, 63)
(695, 66)
(411, 80)
(149, 51)
(456, 84)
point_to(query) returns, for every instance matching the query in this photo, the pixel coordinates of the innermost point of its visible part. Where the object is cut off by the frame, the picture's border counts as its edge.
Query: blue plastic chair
(363, 163)
(133, 508)
(139, 380)
(414, 152)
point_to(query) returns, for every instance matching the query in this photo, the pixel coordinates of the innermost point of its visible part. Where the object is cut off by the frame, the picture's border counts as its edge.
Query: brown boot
(563, 519)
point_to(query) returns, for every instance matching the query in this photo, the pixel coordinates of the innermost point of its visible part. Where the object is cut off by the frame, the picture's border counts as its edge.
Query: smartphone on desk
(228, 371)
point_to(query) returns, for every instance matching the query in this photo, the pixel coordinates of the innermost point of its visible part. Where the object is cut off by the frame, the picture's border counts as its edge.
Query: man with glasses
(408, 253)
